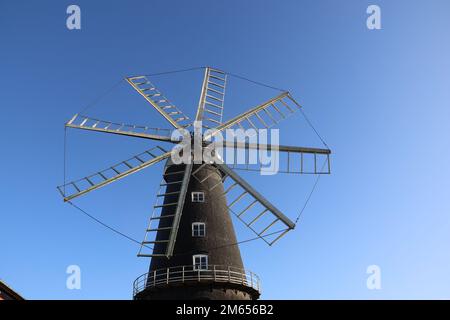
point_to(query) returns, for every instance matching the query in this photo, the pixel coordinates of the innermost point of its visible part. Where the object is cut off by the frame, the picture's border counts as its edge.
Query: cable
(311, 193)
(255, 82)
(228, 73)
(282, 90)
(84, 211)
(99, 97)
(173, 71)
(232, 244)
(311, 125)
(245, 241)
(107, 226)
(151, 248)
(65, 159)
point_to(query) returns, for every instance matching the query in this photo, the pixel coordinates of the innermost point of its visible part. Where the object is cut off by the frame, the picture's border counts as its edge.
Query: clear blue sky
(380, 99)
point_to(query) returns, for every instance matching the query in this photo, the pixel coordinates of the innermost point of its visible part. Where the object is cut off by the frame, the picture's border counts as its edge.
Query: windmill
(191, 238)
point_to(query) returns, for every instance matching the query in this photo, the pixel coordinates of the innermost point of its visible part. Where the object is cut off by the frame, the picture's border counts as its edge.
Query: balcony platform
(215, 276)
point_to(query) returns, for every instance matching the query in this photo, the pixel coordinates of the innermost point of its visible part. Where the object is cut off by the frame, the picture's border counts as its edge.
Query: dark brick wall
(219, 227)
(199, 292)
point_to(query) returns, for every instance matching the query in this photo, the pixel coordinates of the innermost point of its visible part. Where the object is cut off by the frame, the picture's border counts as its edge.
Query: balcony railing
(189, 274)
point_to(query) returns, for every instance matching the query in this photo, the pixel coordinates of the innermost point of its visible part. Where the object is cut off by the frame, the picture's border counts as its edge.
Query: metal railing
(189, 274)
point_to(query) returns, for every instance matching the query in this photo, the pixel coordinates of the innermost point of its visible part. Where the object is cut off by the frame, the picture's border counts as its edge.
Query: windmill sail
(293, 160)
(118, 171)
(262, 116)
(257, 213)
(212, 97)
(92, 124)
(167, 109)
(163, 226)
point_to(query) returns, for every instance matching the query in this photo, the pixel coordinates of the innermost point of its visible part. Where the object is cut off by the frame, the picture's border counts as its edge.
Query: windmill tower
(191, 239)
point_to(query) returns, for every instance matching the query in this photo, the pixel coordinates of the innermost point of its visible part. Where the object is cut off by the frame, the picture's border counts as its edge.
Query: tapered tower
(204, 265)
